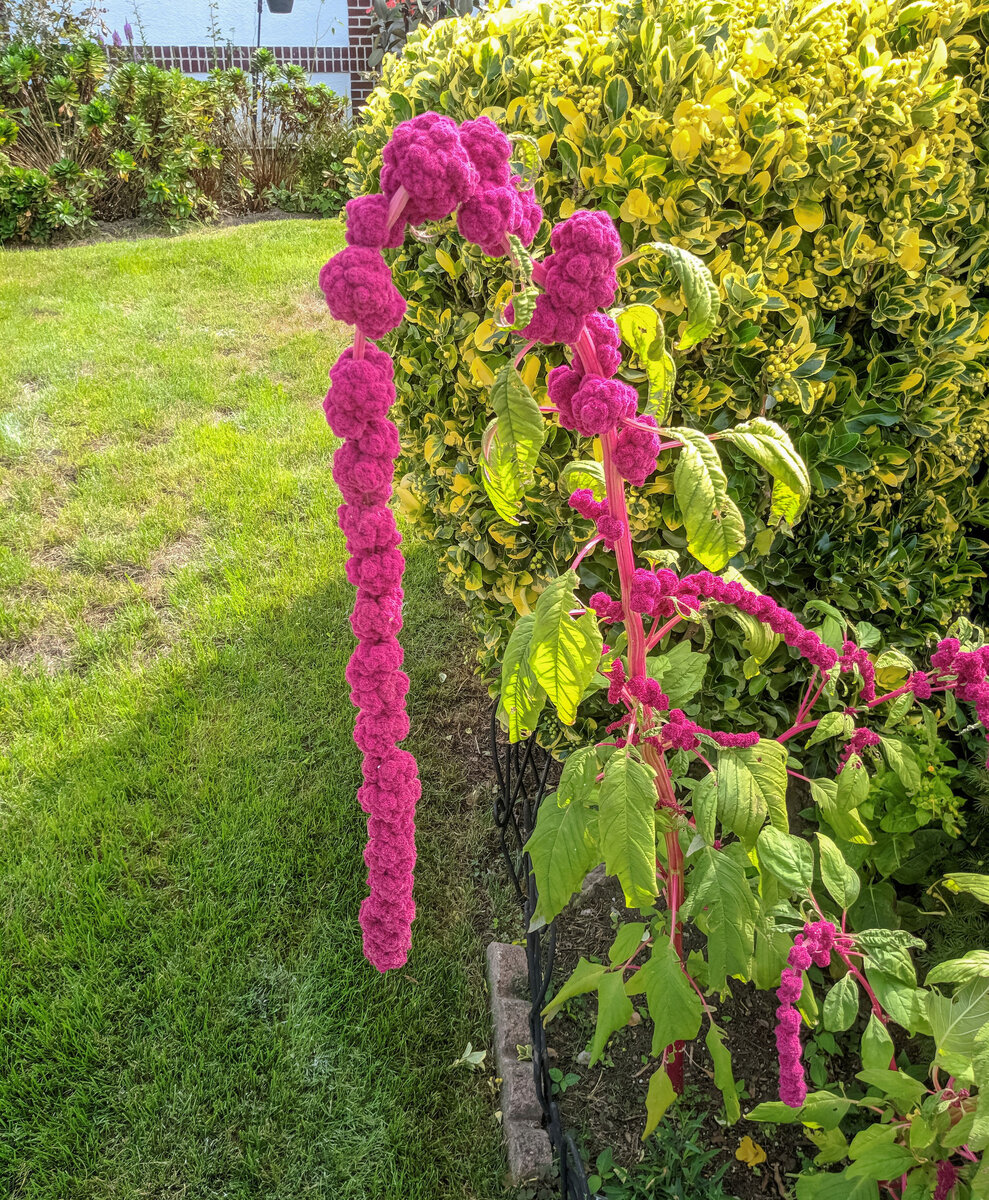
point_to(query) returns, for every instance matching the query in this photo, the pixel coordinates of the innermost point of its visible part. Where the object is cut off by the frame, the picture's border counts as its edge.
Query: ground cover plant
(826, 164)
(184, 1009)
(692, 820)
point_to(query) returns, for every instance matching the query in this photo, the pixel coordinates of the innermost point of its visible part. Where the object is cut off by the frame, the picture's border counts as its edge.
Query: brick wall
(329, 60)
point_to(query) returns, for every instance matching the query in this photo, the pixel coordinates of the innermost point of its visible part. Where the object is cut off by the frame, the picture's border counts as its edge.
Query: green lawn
(184, 1009)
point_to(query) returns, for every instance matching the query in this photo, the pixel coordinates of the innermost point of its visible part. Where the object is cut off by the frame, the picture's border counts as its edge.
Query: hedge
(829, 163)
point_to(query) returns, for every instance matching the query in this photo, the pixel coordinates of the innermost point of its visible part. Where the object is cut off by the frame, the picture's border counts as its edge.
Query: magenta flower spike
(427, 174)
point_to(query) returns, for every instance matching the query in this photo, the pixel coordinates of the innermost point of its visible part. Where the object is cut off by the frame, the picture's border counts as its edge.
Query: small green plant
(561, 1081)
(677, 1162)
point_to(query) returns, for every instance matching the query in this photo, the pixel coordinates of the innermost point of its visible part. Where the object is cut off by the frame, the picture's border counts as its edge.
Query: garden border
(523, 773)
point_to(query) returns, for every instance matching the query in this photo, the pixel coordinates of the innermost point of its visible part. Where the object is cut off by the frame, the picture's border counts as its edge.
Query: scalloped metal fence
(525, 772)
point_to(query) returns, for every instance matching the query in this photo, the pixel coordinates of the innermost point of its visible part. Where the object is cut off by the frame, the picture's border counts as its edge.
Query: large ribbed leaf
(565, 651)
(770, 446)
(627, 826)
(715, 528)
(522, 696)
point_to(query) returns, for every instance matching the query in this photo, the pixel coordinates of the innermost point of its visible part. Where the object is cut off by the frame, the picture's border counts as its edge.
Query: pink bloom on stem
(427, 157)
(636, 451)
(358, 287)
(367, 223)
(599, 404)
(488, 149)
(529, 214)
(488, 217)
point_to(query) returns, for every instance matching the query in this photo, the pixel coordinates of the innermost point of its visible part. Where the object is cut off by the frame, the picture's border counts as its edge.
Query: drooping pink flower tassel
(427, 173)
(361, 392)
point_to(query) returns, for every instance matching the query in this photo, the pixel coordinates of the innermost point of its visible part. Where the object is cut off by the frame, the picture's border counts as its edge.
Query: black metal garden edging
(523, 773)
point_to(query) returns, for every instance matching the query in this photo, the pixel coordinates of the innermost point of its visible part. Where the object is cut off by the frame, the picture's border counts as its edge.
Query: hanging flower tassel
(427, 173)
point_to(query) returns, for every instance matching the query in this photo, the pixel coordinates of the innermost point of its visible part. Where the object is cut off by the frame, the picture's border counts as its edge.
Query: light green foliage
(825, 162)
(184, 999)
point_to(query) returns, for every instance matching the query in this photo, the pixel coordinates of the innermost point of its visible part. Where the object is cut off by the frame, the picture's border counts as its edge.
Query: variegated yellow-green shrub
(829, 163)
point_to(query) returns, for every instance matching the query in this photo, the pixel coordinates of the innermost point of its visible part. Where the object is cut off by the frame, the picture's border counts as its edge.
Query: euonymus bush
(827, 162)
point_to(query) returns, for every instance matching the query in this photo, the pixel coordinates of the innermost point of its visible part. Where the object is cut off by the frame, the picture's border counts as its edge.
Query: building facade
(331, 39)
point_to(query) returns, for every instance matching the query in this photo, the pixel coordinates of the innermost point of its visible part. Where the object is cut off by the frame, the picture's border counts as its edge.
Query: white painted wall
(187, 22)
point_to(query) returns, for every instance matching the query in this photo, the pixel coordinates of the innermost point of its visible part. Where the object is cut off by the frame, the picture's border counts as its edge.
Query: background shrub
(89, 132)
(828, 163)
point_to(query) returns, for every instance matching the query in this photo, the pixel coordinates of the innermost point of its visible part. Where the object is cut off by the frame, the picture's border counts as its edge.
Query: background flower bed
(89, 132)
(827, 166)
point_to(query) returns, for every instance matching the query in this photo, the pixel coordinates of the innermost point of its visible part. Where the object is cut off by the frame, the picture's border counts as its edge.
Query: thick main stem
(673, 885)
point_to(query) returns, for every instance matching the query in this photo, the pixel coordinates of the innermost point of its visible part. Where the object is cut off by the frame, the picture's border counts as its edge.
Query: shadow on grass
(183, 1000)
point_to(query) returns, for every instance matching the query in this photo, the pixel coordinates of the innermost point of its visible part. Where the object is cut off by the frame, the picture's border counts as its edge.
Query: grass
(184, 1009)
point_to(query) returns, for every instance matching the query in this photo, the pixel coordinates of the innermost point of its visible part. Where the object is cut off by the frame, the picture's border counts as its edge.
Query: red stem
(634, 631)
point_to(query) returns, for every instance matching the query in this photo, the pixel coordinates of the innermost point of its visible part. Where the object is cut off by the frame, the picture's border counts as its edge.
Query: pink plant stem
(583, 554)
(654, 640)
(804, 706)
(360, 341)
(877, 1008)
(518, 358)
(617, 507)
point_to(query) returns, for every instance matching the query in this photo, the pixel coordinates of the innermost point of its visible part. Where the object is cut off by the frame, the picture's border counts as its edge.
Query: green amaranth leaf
(699, 290)
(583, 473)
(752, 786)
(973, 965)
(968, 881)
(841, 1004)
(715, 527)
(789, 858)
(833, 724)
(724, 1079)
(614, 1010)
(564, 651)
(563, 848)
(627, 825)
(584, 978)
(956, 1021)
(839, 878)
(642, 331)
(522, 696)
(674, 1006)
(659, 1097)
(717, 887)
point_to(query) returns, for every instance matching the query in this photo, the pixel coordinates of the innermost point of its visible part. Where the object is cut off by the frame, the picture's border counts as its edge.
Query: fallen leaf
(750, 1152)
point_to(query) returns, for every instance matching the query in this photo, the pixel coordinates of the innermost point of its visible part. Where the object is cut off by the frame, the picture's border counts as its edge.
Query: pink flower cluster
(680, 733)
(661, 594)
(427, 157)
(610, 528)
(853, 657)
(856, 744)
(967, 671)
(361, 392)
(637, 450)
(359, 290)
(591, 404)
(430, 168)
(577, 278)
(497, 208)
(814, 945)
